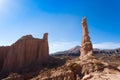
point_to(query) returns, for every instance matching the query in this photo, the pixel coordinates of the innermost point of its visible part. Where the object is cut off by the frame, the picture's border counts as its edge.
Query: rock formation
(3, 53)
(87, 67)
(86, 46)
(27, 51)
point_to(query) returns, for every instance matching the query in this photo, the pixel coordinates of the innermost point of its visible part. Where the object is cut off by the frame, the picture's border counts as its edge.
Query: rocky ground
(73, 68)
(82, 69)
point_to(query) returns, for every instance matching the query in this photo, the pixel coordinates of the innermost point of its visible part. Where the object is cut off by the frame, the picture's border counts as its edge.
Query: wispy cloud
(107, 45)
(62, 45)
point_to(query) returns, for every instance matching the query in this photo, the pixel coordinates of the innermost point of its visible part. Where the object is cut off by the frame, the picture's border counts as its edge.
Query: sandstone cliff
(3, 54)
(25, 52)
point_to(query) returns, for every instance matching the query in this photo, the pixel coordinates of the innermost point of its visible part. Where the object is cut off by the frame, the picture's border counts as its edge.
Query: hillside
(75, 52)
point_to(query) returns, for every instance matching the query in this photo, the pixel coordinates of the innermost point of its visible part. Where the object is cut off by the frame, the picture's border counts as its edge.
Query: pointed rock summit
(86, 46)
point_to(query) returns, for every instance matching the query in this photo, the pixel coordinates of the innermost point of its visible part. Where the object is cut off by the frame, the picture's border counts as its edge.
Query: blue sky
(62, 20)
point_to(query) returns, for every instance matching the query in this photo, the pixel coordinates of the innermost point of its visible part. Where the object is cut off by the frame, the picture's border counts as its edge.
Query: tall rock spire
(86, 46)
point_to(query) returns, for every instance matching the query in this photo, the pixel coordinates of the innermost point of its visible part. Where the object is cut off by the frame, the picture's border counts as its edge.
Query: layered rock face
(25, 52)
(3, 54)
(86, 46)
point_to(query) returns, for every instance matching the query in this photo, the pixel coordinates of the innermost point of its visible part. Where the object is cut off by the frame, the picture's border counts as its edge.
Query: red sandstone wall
(26, 51)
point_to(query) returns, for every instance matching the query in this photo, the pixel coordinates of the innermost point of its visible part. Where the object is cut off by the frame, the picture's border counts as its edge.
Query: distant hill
(71, 52)
(75, 51)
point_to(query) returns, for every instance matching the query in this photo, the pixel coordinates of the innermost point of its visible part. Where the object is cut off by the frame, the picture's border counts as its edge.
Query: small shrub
(75, 68)
(98, 65)
(114, 64)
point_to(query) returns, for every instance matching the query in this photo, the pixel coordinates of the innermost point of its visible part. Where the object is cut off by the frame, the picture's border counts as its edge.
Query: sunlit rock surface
(24, 52)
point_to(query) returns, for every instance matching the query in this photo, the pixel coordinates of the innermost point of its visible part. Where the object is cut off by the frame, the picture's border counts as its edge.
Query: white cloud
(107, 45)
(62, 45)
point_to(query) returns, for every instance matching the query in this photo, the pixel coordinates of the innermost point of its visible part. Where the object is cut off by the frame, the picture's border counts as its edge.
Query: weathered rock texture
(87, 67)
(60, 74)
(3, 53)
(83, 68)
(86, 46)
(25, 52)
